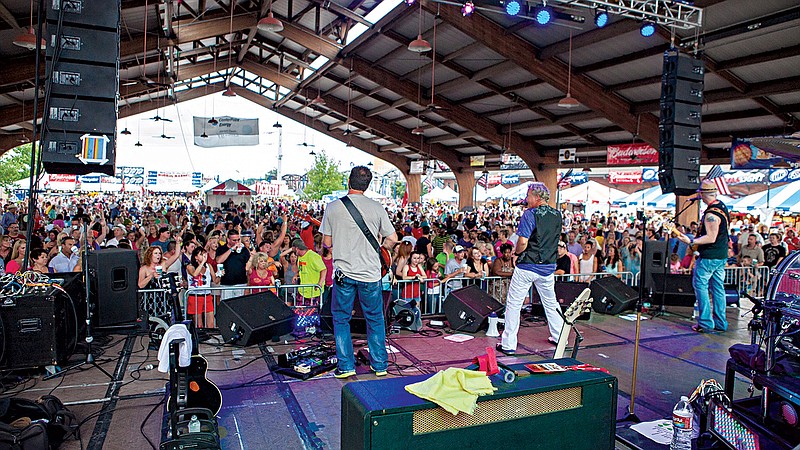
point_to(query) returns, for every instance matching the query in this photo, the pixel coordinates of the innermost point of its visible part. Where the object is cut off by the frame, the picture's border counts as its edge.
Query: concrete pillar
(465, 178)
(550, 178)
(413, 187)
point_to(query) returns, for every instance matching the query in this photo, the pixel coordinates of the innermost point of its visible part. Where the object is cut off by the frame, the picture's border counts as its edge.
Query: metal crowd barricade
(752, 280)
(629, 278)
(433, 291)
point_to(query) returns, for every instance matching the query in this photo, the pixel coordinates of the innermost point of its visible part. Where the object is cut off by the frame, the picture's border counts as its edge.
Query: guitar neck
(563, 339)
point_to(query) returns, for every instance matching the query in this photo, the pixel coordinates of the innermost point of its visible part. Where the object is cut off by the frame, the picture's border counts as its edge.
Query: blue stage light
(647, 29)
(600, 18)
(543, 15)
(513, 7)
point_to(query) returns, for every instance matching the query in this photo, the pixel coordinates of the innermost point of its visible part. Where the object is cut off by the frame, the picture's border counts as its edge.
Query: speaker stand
(89, 361)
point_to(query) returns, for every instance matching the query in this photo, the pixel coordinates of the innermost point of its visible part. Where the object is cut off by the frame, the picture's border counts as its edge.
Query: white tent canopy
(590, 193)
(784, 198)
(228, 190)
(483, 194)
(518, 192)
(438, 194)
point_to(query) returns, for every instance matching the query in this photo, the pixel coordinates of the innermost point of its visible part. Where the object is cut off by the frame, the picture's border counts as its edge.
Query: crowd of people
(279, 242)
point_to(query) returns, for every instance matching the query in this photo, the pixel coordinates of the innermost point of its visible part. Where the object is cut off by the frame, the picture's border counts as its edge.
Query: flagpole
(769, 184)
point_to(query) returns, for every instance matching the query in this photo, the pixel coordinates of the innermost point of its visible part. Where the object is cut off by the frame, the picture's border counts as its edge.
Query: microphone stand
(89, 337)
(631, 416)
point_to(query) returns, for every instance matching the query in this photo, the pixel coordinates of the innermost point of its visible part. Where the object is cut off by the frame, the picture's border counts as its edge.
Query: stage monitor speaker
(675, 289)
(113, 276)
(252, 319)
(468, 308)
(655, 259)
(357, 322)
(611, 296)
(566, 293)
(532, 411)
(38, 329)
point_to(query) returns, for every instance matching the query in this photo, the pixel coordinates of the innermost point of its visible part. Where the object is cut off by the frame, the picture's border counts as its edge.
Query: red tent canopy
(231, 187)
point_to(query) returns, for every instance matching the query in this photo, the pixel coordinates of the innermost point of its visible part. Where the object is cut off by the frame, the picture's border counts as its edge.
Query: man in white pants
(537, 250)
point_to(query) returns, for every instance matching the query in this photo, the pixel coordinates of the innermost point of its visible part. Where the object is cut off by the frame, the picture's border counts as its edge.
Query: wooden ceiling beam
(553, 72)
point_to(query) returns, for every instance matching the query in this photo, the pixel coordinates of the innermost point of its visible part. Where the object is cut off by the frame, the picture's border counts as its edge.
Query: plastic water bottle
(696, 311)
(682, 418)
(194, 425)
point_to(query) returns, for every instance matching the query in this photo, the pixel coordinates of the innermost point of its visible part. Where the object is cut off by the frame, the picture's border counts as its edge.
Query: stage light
(410, 2)
(513, 7)
(600, 18)
(467, 9)
(647, 29)
(543, 14)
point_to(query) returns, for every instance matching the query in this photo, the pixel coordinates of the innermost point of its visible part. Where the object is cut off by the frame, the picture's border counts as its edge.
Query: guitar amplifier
(534, 410)
(38, 329)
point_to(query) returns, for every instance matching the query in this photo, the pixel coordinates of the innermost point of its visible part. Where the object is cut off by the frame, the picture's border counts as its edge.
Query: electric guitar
(581, 305)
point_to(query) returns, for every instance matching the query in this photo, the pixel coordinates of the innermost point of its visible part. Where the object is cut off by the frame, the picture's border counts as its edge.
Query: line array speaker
(82, 85)
(679, 124)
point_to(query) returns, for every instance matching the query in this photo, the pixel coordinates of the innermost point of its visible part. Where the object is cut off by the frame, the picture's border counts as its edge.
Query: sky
(181, 155)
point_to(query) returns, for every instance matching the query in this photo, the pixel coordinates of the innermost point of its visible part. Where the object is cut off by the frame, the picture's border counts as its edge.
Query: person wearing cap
(311, 271)
(163, 240)
(357, 272)
(537, 250)
(119, 232)
(9, 217)
(455, 268)
(709, 270)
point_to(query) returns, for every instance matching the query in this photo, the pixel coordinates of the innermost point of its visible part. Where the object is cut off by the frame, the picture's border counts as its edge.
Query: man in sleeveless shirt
(709, 270)
(537, 250)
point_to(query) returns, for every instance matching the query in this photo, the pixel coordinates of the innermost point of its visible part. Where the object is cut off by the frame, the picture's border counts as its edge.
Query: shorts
(197, 304)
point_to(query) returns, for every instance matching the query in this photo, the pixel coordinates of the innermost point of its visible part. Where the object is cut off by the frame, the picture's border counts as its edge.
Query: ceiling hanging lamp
(569, 102)
(229, 92)
(270, 23)
(419, 45)
(28, 40)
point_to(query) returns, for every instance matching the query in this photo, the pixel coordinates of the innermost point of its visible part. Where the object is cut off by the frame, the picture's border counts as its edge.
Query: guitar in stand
(195, 390)
(581, 305)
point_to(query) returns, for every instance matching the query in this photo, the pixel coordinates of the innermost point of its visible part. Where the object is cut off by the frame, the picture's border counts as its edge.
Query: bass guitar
(581, 305)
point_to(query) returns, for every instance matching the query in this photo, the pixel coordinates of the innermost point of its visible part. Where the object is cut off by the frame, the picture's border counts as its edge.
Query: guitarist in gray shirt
(357, 270)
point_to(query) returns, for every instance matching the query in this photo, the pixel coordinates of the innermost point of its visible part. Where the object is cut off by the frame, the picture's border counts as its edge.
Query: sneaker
(338, 373)
(499, 348)
(552, 341)
(379, 373)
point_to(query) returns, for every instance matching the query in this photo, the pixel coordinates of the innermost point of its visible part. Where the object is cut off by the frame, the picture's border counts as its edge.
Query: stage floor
(264, 410)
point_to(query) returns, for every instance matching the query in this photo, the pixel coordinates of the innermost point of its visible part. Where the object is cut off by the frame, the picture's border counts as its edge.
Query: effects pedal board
(306, 362)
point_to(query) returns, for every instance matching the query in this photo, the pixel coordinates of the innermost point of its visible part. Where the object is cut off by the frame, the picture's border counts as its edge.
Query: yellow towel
(454, 389)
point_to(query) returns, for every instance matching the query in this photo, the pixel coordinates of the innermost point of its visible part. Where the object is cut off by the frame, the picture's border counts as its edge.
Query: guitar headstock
(581, 305)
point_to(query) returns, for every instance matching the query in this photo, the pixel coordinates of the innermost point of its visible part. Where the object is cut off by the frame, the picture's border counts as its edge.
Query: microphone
(693, 199)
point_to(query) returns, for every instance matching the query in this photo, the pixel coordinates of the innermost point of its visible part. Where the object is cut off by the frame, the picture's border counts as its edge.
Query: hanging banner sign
(577, 178)
(649, 174)
(225, 132)
(745, 155)
(417, 167)
(625, 177)
(510, 179)
(512, 162)
(477, 160)
(133, 176)
(631, 154)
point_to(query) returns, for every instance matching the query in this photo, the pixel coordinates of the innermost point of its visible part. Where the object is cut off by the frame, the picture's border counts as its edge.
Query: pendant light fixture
(419, 45)
(569, 102)
(270, 23)
(28, 40)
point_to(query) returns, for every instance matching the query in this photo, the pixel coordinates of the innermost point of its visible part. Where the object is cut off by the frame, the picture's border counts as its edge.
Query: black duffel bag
(41, 424)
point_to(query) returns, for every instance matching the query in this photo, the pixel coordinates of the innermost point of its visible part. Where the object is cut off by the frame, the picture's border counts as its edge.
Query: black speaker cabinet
(674, 289)
(252, 319)
(655, 259)
(113, 277)
(532, 412)
(468, 308)
(357, 322)
(611, 296)
(566, 293)
(39, 329)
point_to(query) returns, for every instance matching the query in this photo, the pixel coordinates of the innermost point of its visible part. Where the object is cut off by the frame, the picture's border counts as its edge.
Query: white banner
(226, 132)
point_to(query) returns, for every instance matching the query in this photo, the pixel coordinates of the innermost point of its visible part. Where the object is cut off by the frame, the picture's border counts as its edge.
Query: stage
(263, 410)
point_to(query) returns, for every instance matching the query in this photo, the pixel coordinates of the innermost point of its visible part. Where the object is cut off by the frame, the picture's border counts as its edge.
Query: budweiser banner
(225, 132)
(639, 154)
(625, 177)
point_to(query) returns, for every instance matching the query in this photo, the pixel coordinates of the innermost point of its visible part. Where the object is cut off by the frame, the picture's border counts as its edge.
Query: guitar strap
(356, 215)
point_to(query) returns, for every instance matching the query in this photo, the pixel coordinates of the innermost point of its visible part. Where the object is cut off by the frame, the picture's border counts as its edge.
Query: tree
(323, 178)
(399, 189)
(271, 175)
(15, 165)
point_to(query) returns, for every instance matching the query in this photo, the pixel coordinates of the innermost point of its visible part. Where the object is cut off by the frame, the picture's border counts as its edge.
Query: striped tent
(652, 198)
(785, 198)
